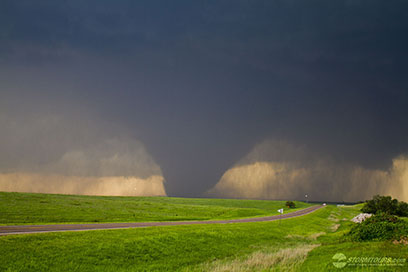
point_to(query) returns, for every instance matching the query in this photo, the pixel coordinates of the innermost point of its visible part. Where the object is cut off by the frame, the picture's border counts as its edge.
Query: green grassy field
(306, 243)
(320, 259)
(24, 208)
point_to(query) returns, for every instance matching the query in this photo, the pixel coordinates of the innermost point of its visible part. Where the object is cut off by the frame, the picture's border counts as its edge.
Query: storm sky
(189, 89)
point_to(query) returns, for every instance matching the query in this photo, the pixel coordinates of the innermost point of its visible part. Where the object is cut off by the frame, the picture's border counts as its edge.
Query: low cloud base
(59, 184)
(276, 170)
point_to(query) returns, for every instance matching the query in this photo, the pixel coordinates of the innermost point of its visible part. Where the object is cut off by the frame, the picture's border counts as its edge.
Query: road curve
(27, 229)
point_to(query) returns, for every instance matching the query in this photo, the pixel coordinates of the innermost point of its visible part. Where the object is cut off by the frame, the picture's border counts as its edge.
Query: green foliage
(385, 204)
(402, 209)
(379, 227)
(382, 217)
(290, 204)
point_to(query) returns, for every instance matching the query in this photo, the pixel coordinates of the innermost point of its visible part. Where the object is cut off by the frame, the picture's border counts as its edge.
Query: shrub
(385, 204)
(402, 209)
(381, 226)
(290, 204)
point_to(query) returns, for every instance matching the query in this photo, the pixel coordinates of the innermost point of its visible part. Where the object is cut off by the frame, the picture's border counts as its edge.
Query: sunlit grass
(170, 248)
(320, 258)
(24, 208)
(285, 259)
(305, 243)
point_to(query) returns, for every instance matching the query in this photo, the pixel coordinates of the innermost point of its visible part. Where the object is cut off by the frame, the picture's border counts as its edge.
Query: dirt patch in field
(334, 227)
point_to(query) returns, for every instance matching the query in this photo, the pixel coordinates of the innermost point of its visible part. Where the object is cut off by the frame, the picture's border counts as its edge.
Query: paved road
(26, 229)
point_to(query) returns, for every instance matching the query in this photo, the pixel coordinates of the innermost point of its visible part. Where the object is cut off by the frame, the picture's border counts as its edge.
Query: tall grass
(286, 259)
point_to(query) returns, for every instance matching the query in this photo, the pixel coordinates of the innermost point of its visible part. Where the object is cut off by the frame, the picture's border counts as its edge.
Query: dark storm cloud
(201, 83)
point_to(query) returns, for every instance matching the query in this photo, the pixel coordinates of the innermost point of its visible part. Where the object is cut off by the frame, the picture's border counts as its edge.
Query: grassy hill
(27, 208)
(306, 243)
